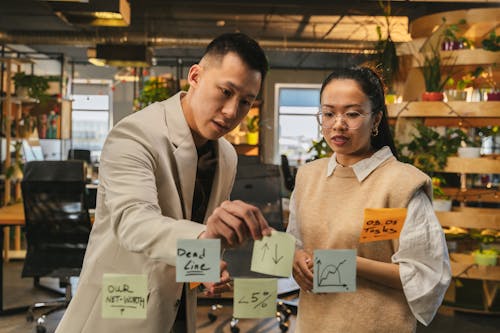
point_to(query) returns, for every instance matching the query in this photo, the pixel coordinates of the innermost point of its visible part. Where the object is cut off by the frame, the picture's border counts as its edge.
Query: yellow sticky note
(273, 254)
(382, 224)
(255, 298)
(124, 296)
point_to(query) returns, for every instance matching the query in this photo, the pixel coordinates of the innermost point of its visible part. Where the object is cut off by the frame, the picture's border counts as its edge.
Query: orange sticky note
(193, 285)
(382, 224)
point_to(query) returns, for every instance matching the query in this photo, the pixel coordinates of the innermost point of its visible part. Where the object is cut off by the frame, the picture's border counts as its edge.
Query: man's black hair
(245, 47)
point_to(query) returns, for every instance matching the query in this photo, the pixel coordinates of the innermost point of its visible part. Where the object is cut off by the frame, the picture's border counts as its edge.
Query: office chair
(288, 177)
(80, 154)
(260, 185)
(57, 226)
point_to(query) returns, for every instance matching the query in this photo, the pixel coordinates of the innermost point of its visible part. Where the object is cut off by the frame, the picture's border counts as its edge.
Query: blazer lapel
(184, 151)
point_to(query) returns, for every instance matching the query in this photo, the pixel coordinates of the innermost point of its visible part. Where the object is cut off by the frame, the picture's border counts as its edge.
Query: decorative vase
(456, 95)
(469, 152)
(493, 96)
(252, 138)
(432, 96)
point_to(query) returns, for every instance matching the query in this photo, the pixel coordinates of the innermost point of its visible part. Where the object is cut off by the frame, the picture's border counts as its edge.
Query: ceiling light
(114, 13)
(120, 55)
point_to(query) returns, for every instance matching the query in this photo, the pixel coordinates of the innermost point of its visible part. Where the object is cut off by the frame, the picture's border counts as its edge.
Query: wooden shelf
(480, 21)
(473, 194)
(463, 57)
(472, 165)
(467, 219)
(451, 109)
(461, 262)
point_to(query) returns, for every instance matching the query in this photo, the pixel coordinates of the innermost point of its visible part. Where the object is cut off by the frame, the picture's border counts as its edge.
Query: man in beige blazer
(146, 190)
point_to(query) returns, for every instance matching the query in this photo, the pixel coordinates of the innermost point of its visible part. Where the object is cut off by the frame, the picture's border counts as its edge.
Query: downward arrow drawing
(275, 258)
(265, 247)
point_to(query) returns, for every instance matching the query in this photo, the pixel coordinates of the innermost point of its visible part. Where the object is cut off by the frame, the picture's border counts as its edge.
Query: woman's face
(344, 98)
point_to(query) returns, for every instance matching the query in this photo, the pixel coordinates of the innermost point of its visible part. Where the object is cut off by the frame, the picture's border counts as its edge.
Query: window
(297, 105)
(91, 122)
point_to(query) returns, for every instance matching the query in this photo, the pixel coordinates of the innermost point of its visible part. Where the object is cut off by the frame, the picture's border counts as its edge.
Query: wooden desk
(12, 215)
(9, 216)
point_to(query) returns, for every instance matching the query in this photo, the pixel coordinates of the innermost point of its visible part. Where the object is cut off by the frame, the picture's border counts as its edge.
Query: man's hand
(234, 222)
(303, 270)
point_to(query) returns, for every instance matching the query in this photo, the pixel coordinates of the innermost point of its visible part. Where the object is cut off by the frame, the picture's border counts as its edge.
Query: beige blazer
(146, 182)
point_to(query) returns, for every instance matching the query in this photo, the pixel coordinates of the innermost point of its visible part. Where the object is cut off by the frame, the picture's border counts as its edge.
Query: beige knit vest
(329, 211)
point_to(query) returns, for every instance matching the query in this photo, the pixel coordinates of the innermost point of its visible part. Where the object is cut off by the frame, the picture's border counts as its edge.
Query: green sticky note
(255, 298)
(198, 260)
(273, 254)
(124, 296)
(334, 271)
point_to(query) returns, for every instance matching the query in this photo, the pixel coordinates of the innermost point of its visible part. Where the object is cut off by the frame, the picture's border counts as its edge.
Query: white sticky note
(198, 260)
(273, 254)
(334, 271)
(124, 296)
(255, 298)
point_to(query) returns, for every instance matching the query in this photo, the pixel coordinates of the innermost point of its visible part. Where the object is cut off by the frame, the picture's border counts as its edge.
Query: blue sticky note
(334, 271)
(198, 260)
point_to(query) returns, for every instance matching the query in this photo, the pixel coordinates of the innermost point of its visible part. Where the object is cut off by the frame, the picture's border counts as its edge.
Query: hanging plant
(386, 57)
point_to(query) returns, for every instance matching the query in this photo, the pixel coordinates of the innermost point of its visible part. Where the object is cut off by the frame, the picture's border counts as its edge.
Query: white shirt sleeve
(424, 264)
(293, 226)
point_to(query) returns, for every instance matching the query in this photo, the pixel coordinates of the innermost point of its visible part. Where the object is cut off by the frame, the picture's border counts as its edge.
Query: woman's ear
(377, 119)
(194, 75)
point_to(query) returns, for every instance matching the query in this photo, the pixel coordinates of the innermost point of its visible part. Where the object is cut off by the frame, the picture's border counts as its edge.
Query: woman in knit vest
(397, 281)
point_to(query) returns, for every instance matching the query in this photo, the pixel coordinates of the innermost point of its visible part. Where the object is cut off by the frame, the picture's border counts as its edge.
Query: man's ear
(194, 75)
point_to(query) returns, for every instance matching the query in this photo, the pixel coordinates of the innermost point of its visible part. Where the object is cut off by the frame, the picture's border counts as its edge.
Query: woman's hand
(303, 270)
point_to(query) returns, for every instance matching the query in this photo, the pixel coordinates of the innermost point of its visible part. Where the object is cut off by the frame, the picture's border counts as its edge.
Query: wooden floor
(19, 291)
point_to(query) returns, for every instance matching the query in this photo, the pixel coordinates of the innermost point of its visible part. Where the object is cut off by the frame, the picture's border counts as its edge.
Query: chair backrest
(288, 177)
(260, 185)
(57, 221)
(79, 154)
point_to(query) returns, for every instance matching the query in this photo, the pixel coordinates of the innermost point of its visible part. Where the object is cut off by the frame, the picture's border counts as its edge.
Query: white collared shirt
(424, 264)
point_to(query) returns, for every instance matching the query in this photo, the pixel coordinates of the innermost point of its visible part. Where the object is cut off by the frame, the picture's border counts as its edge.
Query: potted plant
(252, 129)
(485, 256)
(433, 76)
(29, 85)
(320, 148)
(451, 40)
(440, 200)
(492, 42)
(155, 89)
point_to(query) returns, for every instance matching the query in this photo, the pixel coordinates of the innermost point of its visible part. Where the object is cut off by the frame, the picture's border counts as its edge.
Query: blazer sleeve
(128, 169)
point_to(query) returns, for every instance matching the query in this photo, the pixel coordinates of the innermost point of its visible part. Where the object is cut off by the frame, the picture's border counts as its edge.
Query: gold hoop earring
(375, 131)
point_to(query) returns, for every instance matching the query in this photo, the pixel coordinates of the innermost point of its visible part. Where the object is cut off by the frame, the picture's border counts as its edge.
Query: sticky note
(273, 254)
(382, 224)
(124, 296)
(255, 298)
(334, 271)
(198, 260)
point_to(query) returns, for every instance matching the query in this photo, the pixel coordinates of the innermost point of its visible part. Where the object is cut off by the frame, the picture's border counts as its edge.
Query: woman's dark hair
(245, 47)
(372, 86)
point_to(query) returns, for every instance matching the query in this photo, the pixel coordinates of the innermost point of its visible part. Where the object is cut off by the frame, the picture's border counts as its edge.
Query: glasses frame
(342, 117)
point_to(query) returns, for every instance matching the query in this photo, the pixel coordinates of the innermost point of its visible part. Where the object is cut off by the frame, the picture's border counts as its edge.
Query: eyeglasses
(353, 119)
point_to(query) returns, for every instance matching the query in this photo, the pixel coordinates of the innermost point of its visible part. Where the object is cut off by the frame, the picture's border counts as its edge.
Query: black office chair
(260, 185)
(57, 226)
(288, 177)
(80, 154)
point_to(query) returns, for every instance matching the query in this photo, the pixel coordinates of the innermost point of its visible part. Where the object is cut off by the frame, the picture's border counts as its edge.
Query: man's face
(223, 91)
